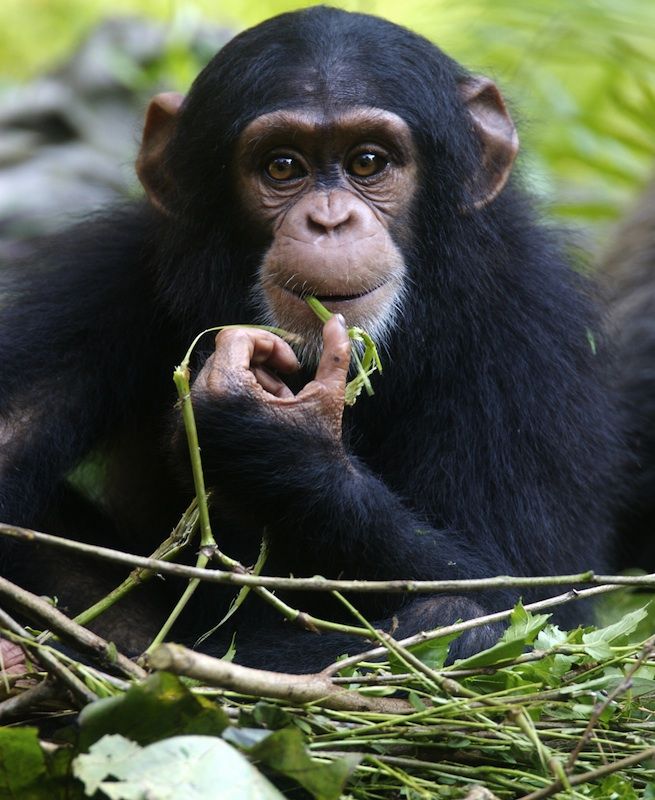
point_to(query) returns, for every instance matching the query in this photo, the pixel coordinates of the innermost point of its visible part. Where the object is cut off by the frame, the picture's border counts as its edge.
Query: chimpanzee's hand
(246, 361)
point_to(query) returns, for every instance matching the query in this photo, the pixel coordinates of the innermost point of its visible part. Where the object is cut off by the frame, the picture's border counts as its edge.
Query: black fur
(628, 270)
(489, 445)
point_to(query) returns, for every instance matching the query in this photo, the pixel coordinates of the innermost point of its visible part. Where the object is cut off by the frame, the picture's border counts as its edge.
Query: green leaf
(550, 636)
(521, 632)
(285, 752)
(231, 651)
(416, 702)
(616, 788)
(22, 764)
(245, 738)
(638, 686)
(271, 716)
(597, 642)
(433, 653)
(159, 707)
(27, 773)
(189, 767)
(524, 626)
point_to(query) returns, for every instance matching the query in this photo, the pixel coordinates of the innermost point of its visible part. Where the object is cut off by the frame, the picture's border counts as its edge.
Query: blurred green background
(581, 74)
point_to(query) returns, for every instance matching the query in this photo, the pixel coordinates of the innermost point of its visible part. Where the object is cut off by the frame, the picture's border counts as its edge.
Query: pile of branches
(542, 713)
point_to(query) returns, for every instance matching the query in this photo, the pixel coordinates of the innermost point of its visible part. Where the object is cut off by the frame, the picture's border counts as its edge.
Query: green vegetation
(581, 74)
(541, 714)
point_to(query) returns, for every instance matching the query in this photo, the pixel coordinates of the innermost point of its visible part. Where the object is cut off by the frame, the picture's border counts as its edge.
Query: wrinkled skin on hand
(248, 360)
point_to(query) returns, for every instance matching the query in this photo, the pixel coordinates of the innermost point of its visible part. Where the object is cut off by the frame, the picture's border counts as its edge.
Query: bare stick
(18, 706)
(319, 584)
(37, 608)
(294, 689)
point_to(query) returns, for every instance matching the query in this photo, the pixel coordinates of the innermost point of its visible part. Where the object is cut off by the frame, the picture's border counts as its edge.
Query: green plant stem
(165, 629)
(588, 777)
(168, 550)
(181, 378)
(307, 620)
(388, 641)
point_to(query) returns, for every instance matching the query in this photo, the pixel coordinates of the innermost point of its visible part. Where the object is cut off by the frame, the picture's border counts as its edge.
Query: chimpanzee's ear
(158, 128)
(497, 134)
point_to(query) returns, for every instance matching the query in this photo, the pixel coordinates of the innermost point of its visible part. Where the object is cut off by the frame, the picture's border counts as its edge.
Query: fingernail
(342, 320)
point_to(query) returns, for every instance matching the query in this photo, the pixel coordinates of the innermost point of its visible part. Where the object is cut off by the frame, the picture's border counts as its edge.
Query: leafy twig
(475, 622)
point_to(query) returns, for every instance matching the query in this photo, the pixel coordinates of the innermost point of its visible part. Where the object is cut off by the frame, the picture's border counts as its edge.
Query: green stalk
(168, 550)
(365, 366)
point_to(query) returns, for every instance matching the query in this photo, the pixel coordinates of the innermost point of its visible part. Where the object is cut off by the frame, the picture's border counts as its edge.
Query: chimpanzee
(628, 271)
(337, 155)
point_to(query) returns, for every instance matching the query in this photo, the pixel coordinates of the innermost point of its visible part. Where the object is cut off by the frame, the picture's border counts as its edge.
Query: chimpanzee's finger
(243, 348)
(271, 383)
(335, 361)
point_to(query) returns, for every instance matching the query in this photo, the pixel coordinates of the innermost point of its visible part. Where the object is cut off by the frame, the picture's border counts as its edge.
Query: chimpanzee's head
(317, 139)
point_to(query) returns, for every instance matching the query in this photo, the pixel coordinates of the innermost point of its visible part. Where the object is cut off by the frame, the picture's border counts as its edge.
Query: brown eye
(284, 168)
(364, 165)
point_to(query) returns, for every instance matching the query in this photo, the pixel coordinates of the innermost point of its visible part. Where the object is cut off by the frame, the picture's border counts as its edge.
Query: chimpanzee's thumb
(335, 360)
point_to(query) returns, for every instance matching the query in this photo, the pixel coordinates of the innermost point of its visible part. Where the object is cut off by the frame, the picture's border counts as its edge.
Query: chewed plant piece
(366, 364)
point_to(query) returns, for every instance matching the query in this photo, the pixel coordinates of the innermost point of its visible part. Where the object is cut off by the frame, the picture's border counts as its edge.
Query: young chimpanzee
(337, 155)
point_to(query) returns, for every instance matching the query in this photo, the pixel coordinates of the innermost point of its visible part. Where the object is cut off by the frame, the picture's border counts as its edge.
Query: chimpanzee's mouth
(303, 294)
(338, 298)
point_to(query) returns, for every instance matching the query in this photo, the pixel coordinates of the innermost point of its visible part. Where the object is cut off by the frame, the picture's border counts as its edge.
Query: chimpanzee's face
(332, 194)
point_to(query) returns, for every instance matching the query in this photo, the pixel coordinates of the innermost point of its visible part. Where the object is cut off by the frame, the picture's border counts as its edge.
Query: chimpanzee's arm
(279, 460)
(72, 338)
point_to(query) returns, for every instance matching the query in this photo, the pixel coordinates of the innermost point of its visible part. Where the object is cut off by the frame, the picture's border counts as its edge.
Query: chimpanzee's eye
(284, 168)
(366, 164)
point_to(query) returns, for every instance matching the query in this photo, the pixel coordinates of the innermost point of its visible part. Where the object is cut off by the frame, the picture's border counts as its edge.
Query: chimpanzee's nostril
(323, 222)
(316, 228)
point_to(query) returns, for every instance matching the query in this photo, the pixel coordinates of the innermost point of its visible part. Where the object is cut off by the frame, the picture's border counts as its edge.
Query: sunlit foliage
(581, 73)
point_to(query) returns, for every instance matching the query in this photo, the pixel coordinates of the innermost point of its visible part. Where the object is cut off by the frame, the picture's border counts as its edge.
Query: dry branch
(320, 584)
(297, 690)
